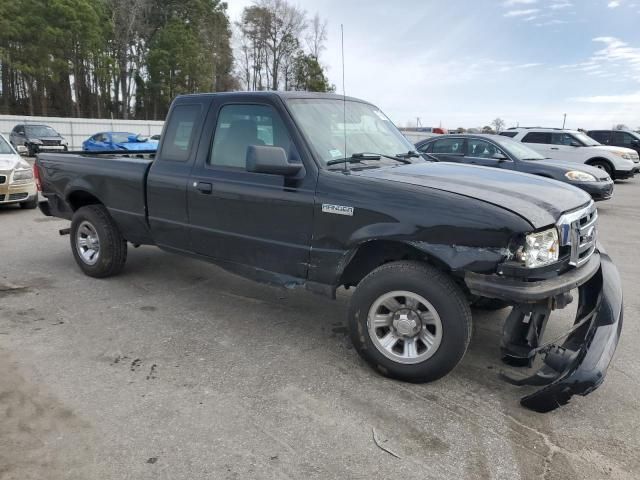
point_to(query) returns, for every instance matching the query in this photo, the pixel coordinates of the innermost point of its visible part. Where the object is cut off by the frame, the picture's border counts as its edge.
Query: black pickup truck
(321, 191)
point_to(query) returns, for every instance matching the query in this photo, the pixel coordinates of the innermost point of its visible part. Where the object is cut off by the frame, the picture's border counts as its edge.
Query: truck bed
(118, 181)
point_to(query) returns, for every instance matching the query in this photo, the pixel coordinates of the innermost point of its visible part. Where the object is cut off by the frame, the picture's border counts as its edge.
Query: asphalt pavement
(176, 369)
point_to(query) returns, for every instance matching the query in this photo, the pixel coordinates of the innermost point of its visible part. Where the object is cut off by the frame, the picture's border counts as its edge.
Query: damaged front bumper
(578, 365)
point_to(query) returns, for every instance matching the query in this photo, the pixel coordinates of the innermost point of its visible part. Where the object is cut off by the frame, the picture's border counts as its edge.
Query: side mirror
(501, 157)
(272, 160)
(575, 144)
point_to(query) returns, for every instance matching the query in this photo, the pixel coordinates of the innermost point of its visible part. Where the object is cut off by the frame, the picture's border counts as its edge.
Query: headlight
(539, 249)
(626, 156)
(577, 176)
(22, 175)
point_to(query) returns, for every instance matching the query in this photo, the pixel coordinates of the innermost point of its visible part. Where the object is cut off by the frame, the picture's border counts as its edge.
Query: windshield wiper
(359, 157)
(409, 154)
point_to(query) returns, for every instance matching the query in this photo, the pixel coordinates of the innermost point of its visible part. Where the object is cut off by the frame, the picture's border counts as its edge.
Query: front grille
(17, 196)
(578, 231)
(3, 178)
(50, 143)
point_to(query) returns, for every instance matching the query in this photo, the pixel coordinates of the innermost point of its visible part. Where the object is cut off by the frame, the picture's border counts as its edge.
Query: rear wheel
(97, 244)
(410, 321)
(603, 165)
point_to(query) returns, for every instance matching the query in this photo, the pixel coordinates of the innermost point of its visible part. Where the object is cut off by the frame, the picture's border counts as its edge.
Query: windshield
(40, 131)
(121, 137)
(5, 148)
(518, 150)
(367, 129)
(585, 139)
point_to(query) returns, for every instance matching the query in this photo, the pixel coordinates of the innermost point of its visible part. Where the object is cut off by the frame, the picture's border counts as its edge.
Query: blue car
(110, 141)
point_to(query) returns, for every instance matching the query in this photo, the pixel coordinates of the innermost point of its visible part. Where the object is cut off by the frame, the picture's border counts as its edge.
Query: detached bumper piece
(578, 365)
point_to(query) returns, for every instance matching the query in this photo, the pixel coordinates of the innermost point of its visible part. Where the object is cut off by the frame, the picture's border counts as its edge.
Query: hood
(35, 137)
(10, 161)
(541, 201)
(569, 166)
(137, 146)
(610, 148)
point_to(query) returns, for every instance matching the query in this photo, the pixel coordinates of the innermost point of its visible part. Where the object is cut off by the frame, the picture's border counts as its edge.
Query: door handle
(203, 187)
(555, 148)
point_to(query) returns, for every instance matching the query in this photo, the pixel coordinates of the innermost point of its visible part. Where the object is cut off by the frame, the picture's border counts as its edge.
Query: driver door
(260, 220)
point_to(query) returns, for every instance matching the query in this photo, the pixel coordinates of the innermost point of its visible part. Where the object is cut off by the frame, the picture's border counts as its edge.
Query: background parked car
(37, 138)
(501, 152)
(16, 178)
(617, 138)
(575, 146)
(107, 141)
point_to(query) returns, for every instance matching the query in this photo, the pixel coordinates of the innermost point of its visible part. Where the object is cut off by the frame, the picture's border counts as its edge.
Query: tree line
(130, 58)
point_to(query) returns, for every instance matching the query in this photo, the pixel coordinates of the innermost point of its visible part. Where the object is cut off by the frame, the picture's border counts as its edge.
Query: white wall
(77, 130)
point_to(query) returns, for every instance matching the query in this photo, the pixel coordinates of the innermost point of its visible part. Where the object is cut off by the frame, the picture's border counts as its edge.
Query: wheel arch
(450, 259)
(80, 197)
(593, 160)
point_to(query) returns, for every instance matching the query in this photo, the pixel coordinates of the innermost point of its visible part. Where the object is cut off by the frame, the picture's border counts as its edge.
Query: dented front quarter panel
(461, 232)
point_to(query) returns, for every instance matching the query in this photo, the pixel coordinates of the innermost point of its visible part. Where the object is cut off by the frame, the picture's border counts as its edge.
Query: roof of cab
(271, 93)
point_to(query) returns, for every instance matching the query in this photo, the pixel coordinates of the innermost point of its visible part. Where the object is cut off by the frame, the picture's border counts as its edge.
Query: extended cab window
(241, 126)
(178, 139)
(450, 146)
(537, 137)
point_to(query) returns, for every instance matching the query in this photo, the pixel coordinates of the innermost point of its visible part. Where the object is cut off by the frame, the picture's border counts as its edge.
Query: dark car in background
(617, 138)
(37, 138)
(502, 152)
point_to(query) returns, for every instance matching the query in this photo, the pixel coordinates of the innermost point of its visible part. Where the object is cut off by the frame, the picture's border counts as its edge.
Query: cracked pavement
(178, 370)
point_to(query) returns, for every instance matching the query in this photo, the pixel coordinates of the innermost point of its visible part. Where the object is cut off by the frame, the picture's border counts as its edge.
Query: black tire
(112, 245)
(435, 287)
(491, 304)
(30, 204)
(604, 165)
(30, 151)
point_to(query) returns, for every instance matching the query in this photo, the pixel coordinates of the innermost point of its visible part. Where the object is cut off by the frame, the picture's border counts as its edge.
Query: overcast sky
(465, 62)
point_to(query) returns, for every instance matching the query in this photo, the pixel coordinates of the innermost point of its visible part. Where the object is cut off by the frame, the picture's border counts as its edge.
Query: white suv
(575, 146)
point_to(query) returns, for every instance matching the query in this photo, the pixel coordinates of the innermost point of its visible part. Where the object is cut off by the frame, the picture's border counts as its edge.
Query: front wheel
(98, 247)
(604, 165)
(410, 321)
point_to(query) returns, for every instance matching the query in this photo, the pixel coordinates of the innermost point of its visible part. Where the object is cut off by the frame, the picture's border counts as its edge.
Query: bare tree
(621, 126)
(127, 16)
(498, 124)
(317, 36)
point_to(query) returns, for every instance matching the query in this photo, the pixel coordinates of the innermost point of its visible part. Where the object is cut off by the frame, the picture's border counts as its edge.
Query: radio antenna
(344, 100)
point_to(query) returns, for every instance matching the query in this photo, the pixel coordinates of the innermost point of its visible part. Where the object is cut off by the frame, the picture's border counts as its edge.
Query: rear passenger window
(451, 146)
(178, 138)
(601, 137)
(537, 137)
(241, 126)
